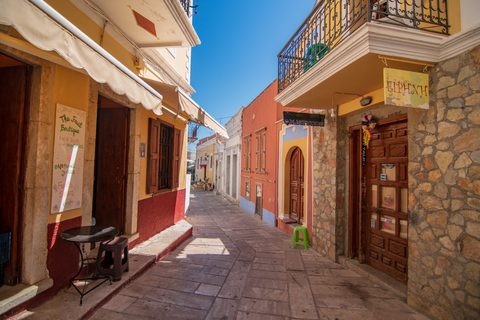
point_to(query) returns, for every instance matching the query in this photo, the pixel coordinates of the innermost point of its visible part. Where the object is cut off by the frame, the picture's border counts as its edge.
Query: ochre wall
(209, 149)
(70, 89)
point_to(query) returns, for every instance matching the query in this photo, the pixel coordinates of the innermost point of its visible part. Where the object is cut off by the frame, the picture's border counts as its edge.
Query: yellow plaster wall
(354, 106)
(142, 192)
(288, 148)
(454, 16)
(209, 150)
(70, 89)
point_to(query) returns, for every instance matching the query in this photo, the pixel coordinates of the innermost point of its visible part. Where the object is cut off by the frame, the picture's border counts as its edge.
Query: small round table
(88, 234)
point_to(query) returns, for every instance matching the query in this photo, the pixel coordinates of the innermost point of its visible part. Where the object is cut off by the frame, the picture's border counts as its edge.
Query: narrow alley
(238, 267)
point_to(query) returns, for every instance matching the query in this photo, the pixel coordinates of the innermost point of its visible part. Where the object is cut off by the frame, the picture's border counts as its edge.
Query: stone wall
(444, 193)
(328, 230)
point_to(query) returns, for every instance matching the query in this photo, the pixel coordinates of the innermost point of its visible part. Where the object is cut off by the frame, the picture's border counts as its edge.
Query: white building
(227, 159)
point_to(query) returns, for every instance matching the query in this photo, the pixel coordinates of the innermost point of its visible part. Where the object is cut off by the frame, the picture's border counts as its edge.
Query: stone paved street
(238, 267)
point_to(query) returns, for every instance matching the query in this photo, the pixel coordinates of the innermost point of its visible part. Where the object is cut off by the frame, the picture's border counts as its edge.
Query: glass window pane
(388, 198)
(387, 224)
(388, 172)
(374, 221)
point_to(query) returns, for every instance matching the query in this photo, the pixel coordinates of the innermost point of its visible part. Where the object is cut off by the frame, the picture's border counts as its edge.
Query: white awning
(48, 30)
(176, 97)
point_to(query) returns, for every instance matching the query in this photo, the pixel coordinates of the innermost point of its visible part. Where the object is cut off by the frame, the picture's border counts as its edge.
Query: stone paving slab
(238, 267)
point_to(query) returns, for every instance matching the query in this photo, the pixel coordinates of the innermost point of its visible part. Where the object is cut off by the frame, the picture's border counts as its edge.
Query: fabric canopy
(176, 97)
(48, 30)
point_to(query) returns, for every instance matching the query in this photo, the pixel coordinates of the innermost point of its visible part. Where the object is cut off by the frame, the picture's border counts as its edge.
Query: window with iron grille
(247, 150)
(261, 150)
(163, 156)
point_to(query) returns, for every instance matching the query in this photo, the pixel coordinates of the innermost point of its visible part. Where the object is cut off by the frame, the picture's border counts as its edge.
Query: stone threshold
(396, 287)
(140, 259)
(13, 296)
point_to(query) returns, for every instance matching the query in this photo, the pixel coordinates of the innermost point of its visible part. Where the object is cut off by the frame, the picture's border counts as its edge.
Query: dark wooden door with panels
(378, 210)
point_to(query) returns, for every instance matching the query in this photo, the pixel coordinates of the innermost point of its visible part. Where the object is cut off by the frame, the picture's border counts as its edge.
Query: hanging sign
(68, 150)
(405, 89)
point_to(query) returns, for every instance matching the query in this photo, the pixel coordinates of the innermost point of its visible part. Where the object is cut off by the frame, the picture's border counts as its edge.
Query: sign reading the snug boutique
(405, 89)
(67, 177)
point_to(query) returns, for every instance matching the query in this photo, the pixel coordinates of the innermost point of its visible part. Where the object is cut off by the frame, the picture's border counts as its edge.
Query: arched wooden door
(296, 185)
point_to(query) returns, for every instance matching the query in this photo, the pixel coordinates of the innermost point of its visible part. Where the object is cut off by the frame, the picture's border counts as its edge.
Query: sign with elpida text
(405, 89)
(68, 150)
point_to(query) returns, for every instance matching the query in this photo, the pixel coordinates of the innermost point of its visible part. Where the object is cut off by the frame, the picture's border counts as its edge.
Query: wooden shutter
(257, 147)
(249, 154)
(263, 139)
(153, 150)
(176, 158)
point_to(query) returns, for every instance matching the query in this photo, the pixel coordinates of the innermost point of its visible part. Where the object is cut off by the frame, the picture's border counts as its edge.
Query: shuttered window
(261, 150)
(164, 146)
(247, 150)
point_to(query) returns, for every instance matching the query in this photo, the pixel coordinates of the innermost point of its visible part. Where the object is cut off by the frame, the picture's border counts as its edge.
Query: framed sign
(405, 89)
(68, 151)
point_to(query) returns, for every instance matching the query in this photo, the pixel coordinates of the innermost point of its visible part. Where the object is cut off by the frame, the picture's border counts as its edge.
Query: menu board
(68, 151)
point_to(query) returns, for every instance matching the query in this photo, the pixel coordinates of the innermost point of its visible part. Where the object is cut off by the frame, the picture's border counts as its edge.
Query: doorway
(234, 177)
(111, 163)
(378, 211)
(14, 99)
(258, 200)
(296, 186)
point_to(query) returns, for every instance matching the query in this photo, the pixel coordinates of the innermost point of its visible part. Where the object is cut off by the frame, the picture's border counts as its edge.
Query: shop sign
(67, 174)
(405, 89)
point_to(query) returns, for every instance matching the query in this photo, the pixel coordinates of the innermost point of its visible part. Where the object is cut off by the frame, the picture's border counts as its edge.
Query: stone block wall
(444, 193)
(329, 215)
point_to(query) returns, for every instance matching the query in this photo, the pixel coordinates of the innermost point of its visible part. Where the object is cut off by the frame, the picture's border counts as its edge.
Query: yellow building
(96, 103)
(395, 167)
(205, 163)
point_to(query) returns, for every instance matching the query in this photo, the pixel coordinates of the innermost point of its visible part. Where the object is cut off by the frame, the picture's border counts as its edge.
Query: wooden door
(296, 186)
(13, 100)
(386, 246)
(111, 163)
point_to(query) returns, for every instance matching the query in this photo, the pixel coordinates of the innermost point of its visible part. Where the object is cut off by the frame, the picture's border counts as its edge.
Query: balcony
(332, 23)
(150, 24)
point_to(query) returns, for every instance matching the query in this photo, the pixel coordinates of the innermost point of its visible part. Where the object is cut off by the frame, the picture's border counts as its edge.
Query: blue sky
(237, 58)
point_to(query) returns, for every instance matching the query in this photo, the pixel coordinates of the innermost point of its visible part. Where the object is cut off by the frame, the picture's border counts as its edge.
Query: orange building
(259, 155)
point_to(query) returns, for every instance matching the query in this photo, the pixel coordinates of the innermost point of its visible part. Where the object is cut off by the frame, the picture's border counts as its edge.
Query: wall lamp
(365, 101)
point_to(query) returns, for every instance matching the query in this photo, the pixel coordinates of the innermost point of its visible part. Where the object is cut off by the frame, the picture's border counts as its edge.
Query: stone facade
(444, 193)
(329, 213)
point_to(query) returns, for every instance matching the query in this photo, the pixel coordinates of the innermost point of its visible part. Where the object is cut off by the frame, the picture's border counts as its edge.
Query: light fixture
(365, 101)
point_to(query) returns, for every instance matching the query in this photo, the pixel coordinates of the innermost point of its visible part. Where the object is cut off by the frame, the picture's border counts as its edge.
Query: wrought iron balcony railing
(186, 6)
(332, 21)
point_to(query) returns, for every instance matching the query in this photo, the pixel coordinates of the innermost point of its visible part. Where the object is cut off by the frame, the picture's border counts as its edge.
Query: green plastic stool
(296, 239)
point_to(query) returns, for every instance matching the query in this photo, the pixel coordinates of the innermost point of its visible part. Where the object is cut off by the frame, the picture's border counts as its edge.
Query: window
(211, 162)
(247, 150)
(261, 153)
(163, 156)
(247, 190)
